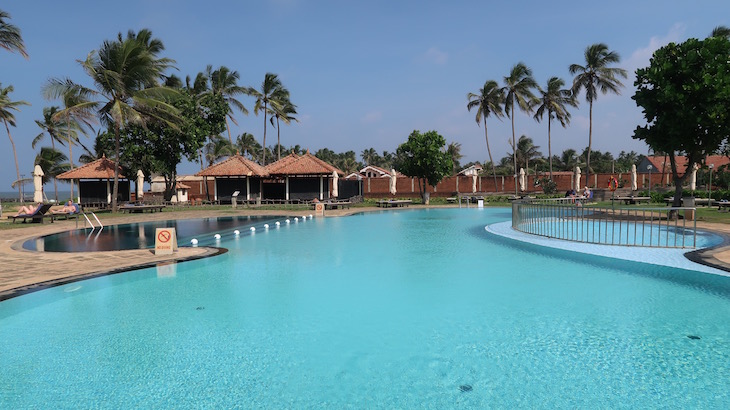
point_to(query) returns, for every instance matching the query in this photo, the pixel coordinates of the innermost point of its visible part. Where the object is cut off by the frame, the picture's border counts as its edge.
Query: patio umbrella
(335, 181)
(693, 179)
(522, 179)
(577, 179)
(392, 181)
(38, 184)
(140, 184)
(473, 184)
(634, 184)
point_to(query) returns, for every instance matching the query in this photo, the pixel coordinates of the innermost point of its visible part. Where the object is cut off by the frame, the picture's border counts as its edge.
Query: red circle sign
(163, 236)
(319, 207)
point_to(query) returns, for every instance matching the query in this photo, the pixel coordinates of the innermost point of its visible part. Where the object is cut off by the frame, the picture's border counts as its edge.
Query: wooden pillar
(248, 189)
(287, 188)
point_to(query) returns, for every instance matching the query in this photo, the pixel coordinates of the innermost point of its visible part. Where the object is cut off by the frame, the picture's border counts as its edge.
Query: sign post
(319, 209)
(165, 241)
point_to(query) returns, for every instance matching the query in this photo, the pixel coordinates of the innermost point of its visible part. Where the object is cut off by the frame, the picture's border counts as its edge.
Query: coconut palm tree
(10, 38)
(369, 156)
(517, 89)
(720, 31)
(596, 75)
(554, 100)
(125, 74)
(52, 162)
(489, 100)
(223, 82)
(217, 148)
(454, 151)
(7, 106)
(527, 151)
(247, 145)
(271, 90)
(58, 130)
(283, 110)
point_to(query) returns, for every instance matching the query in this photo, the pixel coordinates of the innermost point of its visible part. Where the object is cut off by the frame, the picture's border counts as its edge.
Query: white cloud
(372, 117)
(436, 56)
(640, 57)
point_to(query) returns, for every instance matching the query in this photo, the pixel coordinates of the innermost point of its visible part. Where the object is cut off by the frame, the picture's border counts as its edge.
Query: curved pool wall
(142, 235)
(410, 309)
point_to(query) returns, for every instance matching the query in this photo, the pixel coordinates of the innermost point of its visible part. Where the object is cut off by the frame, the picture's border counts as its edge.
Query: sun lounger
(141, 208)
(36, 216)
(55, 215)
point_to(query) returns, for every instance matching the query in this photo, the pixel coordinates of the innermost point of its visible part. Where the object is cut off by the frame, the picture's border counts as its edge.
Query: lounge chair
(66, 214)
(36, 216)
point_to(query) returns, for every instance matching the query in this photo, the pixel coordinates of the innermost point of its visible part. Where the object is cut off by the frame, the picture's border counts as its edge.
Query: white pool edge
(670, 257)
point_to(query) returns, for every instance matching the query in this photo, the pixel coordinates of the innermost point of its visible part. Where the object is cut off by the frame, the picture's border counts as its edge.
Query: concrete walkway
(22, 271)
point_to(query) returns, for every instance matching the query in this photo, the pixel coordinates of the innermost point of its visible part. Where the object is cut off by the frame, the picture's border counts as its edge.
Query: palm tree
(518, 90)
(271, 90)
(721, 31)
(247, 145)
(527, 151)
(223, 82)
(369, 156)
(454, 151)
(10, 38)
(489, 100)
(554, 101)
(52, 162)
(569, 159)
(58, 130)
(594, 76)
(285, 111)
(7, 106)
(126, 73)
(217, 148)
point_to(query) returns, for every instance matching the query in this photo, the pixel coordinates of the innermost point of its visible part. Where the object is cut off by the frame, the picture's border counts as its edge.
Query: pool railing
(569, 219)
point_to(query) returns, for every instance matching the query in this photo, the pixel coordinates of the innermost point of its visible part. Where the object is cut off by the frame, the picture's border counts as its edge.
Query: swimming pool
(415, 308)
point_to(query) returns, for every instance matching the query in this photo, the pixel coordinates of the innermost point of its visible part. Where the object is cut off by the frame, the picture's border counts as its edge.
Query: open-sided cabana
(96, 181)
(300, 177)
(236, 173)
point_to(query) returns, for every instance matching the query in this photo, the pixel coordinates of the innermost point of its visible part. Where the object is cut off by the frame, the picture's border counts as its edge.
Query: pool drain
(200, 308)
(694, 337)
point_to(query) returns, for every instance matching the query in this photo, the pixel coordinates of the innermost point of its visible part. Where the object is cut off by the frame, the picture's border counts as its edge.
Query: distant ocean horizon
(12, 196)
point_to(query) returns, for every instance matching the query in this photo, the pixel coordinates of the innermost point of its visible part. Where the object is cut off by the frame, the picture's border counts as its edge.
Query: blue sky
(364, 73)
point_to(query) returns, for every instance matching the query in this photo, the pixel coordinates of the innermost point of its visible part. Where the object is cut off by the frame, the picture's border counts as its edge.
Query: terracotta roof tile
(306, 164)
(102, 168)
(235, 165)
(658, 160)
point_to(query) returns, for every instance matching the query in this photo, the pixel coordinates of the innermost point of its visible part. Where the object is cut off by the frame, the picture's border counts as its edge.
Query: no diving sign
(165, 241)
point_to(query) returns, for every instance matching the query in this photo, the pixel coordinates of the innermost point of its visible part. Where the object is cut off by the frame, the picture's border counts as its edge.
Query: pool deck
(22, 271)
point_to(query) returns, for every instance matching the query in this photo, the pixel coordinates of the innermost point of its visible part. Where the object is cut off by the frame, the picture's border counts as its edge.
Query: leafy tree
(721, 31)
(7, 106)
(423, 157)
(518, 90)
(626, 159)
(369, 156)
(594, 76)
(10, 37)
(272, 91)
(569, 159)
(53, 162)
(217, 148)
(489, 100)
(685, 95)
(553, 101)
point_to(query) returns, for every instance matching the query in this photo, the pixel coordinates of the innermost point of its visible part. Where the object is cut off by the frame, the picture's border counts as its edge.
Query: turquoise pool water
(407, 309)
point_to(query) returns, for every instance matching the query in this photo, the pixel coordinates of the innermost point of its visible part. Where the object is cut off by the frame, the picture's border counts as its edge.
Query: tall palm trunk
(229, 131)
(494, 169)
(70, 155)
(590, 141)
(514, 144)
(278, 139)
(55, 186)
(17, 168)
(550, 150)
(263, 161)
(115, 190)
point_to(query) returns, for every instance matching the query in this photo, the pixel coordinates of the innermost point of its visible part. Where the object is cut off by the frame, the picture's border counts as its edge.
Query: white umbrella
(140, 184)
(335, 181)
(577, 179)
(693, 179)
(473, 183)
(522, 179)
(634, 184)
(392, 181)
(38, 184)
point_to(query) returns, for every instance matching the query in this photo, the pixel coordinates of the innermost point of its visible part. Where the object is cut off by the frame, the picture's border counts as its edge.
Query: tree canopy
(685, 95)
(423, 157)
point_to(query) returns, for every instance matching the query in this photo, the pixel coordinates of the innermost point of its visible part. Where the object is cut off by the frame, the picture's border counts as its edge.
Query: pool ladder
(89, 221)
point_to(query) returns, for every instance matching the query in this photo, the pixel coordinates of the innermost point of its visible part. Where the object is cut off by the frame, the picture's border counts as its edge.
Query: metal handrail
(569, 219)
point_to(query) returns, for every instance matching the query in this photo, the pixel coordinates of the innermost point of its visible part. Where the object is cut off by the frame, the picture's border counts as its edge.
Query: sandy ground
(23, 271)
